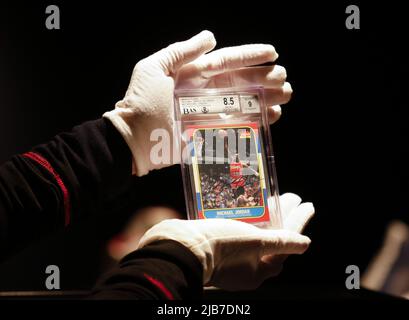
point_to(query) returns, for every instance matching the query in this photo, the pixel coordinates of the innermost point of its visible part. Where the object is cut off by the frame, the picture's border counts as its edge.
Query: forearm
(162, 270)
(57, 183)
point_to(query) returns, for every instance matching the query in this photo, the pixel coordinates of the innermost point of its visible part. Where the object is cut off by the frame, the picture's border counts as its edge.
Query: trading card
(228, 172)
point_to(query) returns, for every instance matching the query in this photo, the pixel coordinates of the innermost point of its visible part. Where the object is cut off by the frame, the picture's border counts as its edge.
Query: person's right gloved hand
(236, 255)
(148, 102)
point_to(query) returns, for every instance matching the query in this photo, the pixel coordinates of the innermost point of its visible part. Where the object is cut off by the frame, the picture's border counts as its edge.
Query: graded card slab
(227, 162)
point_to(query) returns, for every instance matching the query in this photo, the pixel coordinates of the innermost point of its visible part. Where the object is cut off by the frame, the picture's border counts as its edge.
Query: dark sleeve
(57, 183)
(162, 270)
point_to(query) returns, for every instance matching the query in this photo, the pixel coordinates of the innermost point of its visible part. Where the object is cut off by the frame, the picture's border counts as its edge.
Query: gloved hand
(236, 255)
(148, 103)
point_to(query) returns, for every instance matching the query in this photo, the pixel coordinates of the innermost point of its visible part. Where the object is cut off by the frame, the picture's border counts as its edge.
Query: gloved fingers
(231, 58)
(298, 218)
(279, 95)
(274, 114)
(268, 76)
(172, 58)
(283, 242)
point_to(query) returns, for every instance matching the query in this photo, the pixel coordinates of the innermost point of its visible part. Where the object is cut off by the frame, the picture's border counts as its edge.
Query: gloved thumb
(172, 58)
(284, 242)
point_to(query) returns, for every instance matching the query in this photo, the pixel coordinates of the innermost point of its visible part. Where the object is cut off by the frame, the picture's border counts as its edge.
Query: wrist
(189, 236)
(136, 137)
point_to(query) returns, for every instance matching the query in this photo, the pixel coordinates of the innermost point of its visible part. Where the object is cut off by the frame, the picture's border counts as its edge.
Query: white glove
(236, 255)
(148, 103)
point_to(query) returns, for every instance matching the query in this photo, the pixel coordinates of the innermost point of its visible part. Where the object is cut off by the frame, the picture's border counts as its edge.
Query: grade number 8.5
(228, 101)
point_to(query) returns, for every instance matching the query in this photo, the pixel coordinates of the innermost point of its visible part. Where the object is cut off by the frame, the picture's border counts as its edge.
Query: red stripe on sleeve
(66, 196)
(160, 286)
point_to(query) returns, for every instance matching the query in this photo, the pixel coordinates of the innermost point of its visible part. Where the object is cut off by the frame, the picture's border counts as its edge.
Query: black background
(341, 143)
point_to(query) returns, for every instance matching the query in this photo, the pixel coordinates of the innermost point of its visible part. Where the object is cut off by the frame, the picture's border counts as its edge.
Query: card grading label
(228, 172)
(209, 104)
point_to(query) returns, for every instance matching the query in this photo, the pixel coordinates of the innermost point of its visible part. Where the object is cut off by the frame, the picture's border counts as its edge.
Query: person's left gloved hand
(236, 255)
(148, 103)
